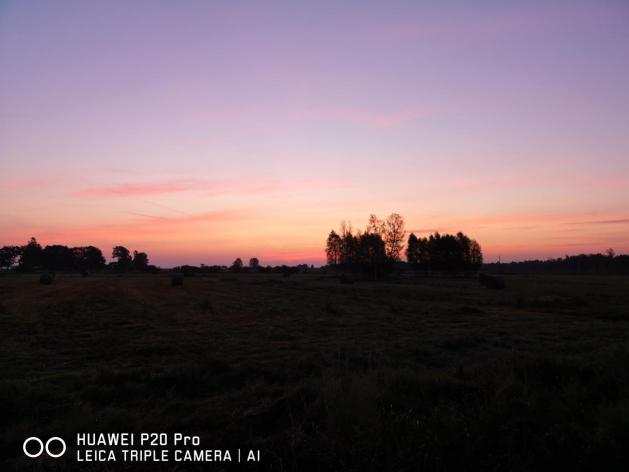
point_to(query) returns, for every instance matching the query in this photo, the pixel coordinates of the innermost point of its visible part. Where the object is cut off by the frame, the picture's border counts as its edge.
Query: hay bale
(346, 279)
(84, 273)
(47, 278)
(176, 279)
(492, 281)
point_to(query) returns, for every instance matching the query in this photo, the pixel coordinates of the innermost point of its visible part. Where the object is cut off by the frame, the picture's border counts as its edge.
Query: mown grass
(425, 374)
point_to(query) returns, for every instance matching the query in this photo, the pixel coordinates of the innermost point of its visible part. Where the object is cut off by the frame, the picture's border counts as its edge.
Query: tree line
(32, 256)
(376, 250)
(586, 264)
(445, 253)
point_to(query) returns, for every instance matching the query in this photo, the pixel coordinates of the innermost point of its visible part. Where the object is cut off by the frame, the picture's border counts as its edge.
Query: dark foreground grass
(427, 374)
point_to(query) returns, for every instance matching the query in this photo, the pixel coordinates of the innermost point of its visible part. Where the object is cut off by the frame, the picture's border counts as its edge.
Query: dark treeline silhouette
(253, 267)
(376, 251)
(586, 264)
(444, 253)
(124, 261)
(372, 252)
(32, 256)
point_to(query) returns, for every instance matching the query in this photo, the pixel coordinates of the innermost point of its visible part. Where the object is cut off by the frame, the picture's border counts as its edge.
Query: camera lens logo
(41, 447)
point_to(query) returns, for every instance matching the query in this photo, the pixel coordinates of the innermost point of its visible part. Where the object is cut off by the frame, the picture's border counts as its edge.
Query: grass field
(421, 374)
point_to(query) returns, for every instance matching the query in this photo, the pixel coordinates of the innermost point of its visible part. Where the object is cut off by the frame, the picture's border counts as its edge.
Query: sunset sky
(203, 131)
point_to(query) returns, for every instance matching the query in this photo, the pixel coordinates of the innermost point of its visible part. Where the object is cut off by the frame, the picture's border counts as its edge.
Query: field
(419, 374)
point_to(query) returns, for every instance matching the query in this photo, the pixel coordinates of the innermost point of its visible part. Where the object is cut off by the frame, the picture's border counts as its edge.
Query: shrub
(47, 278)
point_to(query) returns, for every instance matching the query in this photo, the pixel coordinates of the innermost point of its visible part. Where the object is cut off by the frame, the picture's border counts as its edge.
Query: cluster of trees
(608, 263)
(238, 265)
(372, 251)
(376, 250)
(124, 261)
(32, 256)
(444, 253)
(255, 266)
(54, 257)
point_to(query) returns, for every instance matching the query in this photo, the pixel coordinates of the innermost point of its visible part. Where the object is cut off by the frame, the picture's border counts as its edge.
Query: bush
(47, 278)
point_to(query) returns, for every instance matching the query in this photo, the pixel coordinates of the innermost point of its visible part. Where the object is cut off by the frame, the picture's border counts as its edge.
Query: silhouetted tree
(391, 231)
(57, 257)
(362, 252)
(376, 226)
(88, 258)
(9, 256)
(237, 265)
(31, 255)
(394, 236)
(475, 255)
(444, 253)
(349, 246)
(123, 257)
(140, 260)
(254, 263)
(412, 250)
(422, 253)
(333, 248)
(374, 251)
(371, 254)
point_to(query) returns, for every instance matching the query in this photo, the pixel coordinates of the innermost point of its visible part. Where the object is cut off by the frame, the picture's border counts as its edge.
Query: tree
(373, 251)
(361, 252)
(140, 260)
(254, 263)
(423, 253)
(376, 226)
(8, 256)
(88, 257)
(123, 257)
(394, 236)
(237, 265)
(333, 248)
(57, 257)
(448, 253)
(31, 255)
(371, 254)
(349, 246)
(412, 246)
(476, 255)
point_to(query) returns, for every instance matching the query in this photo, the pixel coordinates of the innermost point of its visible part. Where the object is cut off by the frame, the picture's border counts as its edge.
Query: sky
(202, 131)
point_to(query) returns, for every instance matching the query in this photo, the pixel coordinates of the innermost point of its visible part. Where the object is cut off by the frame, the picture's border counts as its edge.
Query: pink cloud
(244, 186)
(617, 221)
(208, 216)
(208, 187)
(139, 189)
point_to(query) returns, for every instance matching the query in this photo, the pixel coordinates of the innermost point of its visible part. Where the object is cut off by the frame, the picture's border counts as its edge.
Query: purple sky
(203, 131)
